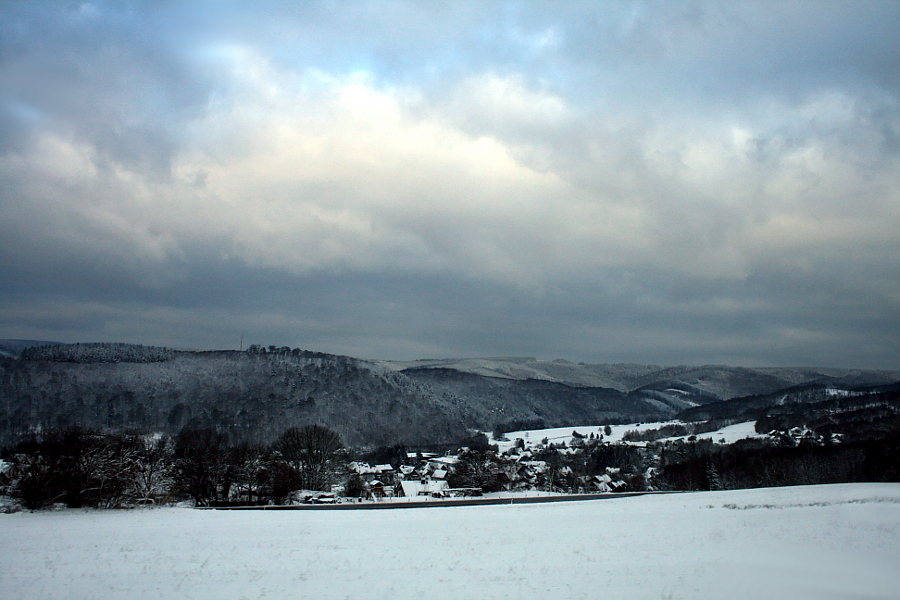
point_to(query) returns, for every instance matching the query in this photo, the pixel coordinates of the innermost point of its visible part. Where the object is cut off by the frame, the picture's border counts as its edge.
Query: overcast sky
(656, 182)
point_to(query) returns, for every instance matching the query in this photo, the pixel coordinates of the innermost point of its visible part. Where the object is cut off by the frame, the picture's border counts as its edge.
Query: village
(311, 466)
(580, 460)
(567, 466)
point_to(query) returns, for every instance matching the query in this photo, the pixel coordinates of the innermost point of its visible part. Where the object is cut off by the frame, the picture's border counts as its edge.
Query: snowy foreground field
(840, 541)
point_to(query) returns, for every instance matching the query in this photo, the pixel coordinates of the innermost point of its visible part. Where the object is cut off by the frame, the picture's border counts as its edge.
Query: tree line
(80, 468)
(702, 465)
(98, 353)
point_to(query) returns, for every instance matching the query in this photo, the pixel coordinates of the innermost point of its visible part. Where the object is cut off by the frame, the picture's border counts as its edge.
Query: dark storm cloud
(647, 181)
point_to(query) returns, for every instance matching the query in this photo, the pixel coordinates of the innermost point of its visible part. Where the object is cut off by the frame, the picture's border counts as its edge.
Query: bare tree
(311, 450)
(153, 467)
(248, 474)
(78, 467)
(200, 464)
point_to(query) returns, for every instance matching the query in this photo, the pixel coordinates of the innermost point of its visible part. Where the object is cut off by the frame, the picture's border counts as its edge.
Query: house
(377, 489)
(602, 483)
(422, 487)
(363, 469)
(420, 455)
(385, 473)
(442, 462)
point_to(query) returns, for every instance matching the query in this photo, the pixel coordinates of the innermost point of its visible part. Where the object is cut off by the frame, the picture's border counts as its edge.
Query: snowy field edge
(826, 541)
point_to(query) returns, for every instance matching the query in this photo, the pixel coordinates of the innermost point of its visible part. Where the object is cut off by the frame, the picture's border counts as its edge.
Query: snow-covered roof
(414, 488)
(422, 454)
(536, 465)
(361, 467)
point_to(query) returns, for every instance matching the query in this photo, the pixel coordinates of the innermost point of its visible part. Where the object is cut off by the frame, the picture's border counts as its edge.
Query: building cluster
(427, 478)
(470, 473)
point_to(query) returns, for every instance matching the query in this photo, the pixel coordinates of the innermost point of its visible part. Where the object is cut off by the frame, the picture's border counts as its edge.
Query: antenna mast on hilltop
(242, 343)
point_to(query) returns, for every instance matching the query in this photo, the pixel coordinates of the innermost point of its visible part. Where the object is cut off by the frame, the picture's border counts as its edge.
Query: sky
(678, 182)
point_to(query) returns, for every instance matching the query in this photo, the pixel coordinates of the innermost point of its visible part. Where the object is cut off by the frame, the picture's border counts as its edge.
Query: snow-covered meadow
(563, 435)
(839, 541)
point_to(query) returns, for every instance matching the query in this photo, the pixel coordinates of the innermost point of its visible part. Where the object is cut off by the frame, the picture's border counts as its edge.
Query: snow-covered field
(725, 435)
(840, 541)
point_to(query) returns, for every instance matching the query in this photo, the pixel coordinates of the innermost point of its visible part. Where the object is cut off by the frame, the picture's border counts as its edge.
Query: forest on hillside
(252, 395)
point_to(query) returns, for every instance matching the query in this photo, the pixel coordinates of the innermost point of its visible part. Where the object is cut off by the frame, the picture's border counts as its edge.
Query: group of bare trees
(210, 471)
(79, 468)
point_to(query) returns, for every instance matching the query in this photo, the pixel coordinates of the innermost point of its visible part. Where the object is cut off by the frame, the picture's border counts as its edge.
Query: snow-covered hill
(837, 541)
(255, 395)
(716, 381)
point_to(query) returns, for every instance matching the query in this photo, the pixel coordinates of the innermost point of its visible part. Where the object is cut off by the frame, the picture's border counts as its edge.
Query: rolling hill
(254, 396)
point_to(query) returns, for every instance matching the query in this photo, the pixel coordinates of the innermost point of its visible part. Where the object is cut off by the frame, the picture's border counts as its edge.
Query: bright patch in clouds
(336, 173)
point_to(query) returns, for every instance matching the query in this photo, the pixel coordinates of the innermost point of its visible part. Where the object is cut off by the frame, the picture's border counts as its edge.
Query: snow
(412, 489)
(729, 434)
(835, 541)
(836, 393)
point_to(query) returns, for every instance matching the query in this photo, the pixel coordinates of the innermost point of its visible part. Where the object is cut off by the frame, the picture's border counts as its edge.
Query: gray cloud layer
(671, 182)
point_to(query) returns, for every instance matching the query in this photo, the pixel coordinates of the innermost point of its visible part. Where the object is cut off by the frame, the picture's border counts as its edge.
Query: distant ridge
(254, 395)
(719, 381)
